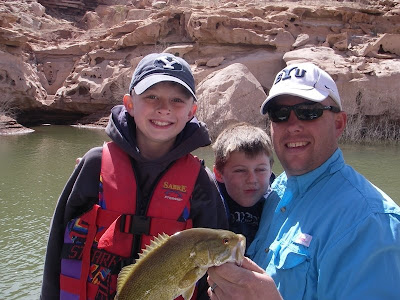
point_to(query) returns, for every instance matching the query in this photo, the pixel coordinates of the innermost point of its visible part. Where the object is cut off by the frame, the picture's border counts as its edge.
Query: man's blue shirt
(330, 234)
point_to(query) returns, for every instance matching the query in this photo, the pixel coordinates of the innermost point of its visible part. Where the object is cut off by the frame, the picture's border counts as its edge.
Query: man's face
(302, 146)
(246, 178)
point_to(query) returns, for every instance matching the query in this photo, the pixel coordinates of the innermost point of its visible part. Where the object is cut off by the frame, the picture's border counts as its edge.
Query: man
(328, 233)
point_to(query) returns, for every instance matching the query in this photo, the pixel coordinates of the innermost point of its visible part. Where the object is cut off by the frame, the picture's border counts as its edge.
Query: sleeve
(207, 207)
(365, 264)
(78, 195)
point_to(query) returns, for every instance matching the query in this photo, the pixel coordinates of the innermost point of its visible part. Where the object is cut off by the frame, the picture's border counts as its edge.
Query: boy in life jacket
(143, 182)
(243, 169)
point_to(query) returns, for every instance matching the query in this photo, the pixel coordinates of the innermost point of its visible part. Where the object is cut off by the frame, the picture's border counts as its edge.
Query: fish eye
(225, 241)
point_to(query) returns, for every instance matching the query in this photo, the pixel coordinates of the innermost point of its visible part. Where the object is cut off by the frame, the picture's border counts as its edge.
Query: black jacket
(244, 220)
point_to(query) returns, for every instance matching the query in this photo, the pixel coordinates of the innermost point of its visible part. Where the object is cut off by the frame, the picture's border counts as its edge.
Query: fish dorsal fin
(124, 275)
(154, 244)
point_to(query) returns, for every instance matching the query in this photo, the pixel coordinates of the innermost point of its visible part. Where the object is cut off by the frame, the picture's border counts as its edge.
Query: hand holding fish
(248, 281)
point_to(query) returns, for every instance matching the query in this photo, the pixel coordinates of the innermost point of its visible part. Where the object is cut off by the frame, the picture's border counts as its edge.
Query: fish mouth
(239, 249)
(234, 253)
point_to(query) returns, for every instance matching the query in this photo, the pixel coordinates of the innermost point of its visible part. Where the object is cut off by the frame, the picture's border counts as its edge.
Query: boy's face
(246, 178)
(160, 114)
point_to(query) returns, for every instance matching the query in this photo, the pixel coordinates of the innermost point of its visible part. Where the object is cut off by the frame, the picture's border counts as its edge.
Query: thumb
(251, 265)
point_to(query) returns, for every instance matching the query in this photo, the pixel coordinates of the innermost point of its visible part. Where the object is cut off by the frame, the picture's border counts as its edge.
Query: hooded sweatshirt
(244, 220)
(82, 189)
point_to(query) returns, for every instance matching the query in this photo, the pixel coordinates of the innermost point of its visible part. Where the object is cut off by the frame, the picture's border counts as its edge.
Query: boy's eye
(177, 100)
(239, 171)
(151, 97)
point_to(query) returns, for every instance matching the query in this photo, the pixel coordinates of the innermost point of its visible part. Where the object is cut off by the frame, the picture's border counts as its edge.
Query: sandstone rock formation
(61, 61)
(228, 95)
(8, 126)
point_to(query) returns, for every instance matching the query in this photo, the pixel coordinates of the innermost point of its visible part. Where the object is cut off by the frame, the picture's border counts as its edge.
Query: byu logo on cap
(168, 63)
(162, 67)
(304, 80)
(286, 74)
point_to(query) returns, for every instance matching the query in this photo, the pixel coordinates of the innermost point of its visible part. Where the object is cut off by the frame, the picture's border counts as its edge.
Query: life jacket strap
(135, 224)
(143, 225)
(73, 286)
(92, 216)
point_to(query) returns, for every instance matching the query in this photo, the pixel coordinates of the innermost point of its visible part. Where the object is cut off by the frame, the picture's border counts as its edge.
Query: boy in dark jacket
(243, 168)
(142, 183)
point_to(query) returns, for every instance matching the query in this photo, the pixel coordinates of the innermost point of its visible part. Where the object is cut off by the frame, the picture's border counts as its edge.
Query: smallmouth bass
(171, 265)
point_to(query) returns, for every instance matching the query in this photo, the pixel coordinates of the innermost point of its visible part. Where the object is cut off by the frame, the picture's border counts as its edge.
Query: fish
(170, 266)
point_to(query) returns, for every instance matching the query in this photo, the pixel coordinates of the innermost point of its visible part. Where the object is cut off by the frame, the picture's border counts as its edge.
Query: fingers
(231, 273)
(251, 266)
(222, 286)
(212, 293)
(247, 282)
(213, 286)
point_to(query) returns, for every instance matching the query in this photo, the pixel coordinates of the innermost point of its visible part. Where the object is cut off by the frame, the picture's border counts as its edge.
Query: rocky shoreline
(9, 126)
(64, 65)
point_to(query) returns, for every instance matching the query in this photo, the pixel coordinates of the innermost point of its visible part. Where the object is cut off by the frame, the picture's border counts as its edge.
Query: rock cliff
(67, 62)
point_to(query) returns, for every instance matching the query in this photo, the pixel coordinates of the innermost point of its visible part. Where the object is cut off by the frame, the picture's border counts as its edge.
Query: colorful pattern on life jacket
(102, 202)
(78, 230)
(103, 263)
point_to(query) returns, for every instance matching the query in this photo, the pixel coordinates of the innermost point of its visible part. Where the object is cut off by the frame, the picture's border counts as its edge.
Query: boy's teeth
(159, 123)
(297, 144)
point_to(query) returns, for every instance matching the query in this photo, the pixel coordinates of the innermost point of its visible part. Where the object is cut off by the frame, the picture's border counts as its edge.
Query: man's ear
(192, 111)
(128, 102)
(218, 175)
(340, 122)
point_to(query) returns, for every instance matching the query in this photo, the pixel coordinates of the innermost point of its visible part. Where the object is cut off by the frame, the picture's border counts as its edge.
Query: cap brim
(151, 80)
(309, 94)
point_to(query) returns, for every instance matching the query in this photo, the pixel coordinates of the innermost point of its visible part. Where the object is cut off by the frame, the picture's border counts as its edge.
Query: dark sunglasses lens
(307, 114)
(279, 114)
(303, 112)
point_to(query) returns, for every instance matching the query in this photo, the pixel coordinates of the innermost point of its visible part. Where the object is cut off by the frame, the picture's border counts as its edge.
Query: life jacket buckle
(135, 224)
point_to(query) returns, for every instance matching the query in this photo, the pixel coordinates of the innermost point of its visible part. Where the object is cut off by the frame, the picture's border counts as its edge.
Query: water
(34, 168)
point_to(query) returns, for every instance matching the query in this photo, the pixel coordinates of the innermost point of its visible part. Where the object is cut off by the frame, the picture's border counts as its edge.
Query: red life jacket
(97, 243)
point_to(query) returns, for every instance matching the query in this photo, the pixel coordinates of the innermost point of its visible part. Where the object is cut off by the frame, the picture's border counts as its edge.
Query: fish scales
(171, 265)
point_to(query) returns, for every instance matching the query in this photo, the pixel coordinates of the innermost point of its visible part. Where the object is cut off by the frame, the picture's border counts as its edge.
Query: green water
(34, 168)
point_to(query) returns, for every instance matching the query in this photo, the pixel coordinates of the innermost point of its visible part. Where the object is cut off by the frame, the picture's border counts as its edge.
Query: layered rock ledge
(69, 62)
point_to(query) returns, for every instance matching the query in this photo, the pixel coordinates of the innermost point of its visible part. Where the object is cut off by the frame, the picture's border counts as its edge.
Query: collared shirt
(330, 234)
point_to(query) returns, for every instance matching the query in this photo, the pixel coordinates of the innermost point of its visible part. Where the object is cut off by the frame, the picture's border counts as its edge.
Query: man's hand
(247, 282)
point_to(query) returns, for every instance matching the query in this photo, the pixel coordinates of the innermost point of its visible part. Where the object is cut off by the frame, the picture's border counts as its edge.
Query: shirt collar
(302, 183)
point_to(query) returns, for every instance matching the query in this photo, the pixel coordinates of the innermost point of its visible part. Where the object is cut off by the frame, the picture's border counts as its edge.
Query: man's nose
(293, 123)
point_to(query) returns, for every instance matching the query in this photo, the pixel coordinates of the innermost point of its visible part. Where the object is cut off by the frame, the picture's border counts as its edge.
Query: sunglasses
(303, 111)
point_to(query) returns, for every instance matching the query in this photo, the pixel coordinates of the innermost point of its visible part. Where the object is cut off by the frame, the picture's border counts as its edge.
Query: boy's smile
(160, 113)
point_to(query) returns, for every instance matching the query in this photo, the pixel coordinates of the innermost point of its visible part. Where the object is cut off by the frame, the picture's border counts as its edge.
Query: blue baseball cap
(159, 67)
